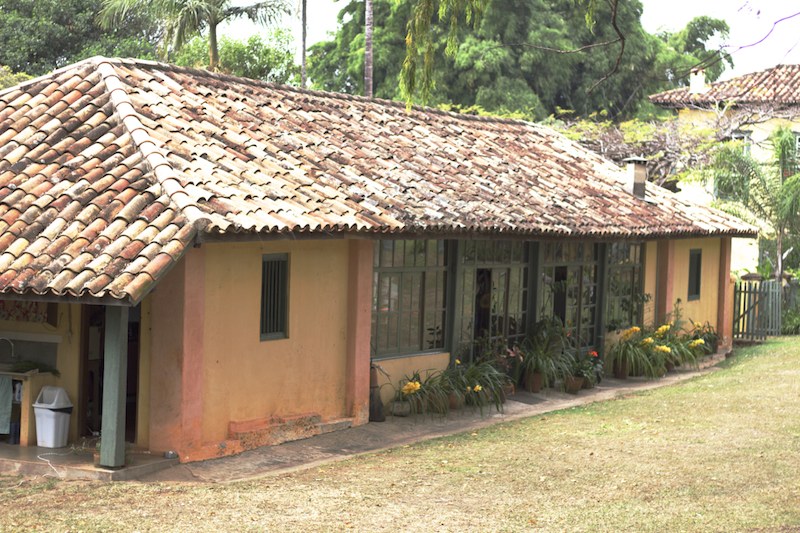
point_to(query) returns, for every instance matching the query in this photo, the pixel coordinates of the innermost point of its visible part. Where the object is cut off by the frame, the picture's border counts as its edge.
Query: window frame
(694, 288)
(619, 265)
(433, 274)
(275, 328)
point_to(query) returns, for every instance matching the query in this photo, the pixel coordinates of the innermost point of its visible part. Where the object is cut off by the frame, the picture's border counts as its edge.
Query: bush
(790, 322)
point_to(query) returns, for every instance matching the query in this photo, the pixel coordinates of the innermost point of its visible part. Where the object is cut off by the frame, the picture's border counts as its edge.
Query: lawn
(717, 453)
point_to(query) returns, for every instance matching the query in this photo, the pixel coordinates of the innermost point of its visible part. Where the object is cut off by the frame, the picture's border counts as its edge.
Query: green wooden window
(408, 303)
(695, 273)
(624, 298)
(274, 296)
(493, 288)
(569, 288)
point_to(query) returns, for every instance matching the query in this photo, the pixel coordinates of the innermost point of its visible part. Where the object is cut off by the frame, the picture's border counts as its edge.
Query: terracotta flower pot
(572, 384)
(620, 369)
(533, 381)
(455, 400)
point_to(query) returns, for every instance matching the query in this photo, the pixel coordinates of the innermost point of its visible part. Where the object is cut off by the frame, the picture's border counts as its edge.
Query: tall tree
(770, 191)
(183, 19)
(509, 64)
(304, 23)
(269, 58)
(368, 48)
(37, 36)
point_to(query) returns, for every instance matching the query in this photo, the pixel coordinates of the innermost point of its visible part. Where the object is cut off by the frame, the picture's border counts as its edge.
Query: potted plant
(573, 380)
(417, 395)
(631, 353)
(544, 355)
(483, 385)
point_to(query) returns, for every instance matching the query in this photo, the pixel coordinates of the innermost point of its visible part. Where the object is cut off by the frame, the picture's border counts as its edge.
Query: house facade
(747, 108)
(212, 263)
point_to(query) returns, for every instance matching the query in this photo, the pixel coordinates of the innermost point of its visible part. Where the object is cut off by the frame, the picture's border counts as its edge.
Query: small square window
(274, 296)
(695, 274)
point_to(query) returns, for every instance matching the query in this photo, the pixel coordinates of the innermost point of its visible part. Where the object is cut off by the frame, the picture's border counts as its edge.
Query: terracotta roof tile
(777, 85)
(109, 169)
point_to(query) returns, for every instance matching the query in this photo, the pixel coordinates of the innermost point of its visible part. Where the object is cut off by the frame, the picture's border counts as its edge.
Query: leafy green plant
(546, 351)
(790, 322)
(633, 353)
(425, 395)
(708, 334)
(483, 385)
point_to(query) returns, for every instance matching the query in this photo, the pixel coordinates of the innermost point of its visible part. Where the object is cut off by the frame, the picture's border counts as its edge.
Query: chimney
(697, 81)
(637, 176)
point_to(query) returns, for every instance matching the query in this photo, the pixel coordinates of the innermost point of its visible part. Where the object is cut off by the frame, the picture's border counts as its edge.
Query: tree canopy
(182, 19)
(270, 59)
(770, 190)
(37, 36)
(516, 60)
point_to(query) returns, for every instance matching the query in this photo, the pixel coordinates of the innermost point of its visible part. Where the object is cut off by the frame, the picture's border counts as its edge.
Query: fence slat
(756, 310)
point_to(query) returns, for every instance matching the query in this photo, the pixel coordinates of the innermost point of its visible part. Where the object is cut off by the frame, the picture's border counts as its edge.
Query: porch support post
(665, 273)
(725, 297)
(600, 302)
(455, 298)
(359, 330)
(534, 287)
(115, 379)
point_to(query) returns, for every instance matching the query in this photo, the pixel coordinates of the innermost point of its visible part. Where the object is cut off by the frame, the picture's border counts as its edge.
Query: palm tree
(368, 49)
(304, 23)
(770, 191)
(184, 18)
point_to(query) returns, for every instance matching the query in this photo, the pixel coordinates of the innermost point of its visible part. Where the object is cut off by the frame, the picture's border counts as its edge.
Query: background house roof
(777, 85)
(110, 168)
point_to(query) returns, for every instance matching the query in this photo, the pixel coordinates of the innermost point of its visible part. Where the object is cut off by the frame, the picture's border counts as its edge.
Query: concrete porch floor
(74, 462)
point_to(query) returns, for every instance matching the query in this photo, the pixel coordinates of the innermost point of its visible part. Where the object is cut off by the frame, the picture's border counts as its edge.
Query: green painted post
(115, 362)
(600, 301)
(454, 288)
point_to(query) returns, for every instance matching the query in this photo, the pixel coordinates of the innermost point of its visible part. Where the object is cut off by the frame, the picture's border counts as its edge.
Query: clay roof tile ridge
(150, 148)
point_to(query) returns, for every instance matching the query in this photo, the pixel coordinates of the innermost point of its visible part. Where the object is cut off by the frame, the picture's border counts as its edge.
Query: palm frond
(266, 12)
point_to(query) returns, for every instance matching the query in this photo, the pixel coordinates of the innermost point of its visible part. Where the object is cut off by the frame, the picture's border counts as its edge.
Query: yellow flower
(697, 342)
(469, 389)
(660, 332)
(458, 361)
(411, 387)
(698, 325)
(648, 341)
(663, 349)
(630, 332)
(477, 388)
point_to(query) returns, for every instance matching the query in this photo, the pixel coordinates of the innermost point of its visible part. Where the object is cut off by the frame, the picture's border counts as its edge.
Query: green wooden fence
(756, 310)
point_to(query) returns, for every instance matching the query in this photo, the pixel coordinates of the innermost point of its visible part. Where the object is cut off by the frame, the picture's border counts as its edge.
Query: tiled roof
(110, 168)
(777, 85)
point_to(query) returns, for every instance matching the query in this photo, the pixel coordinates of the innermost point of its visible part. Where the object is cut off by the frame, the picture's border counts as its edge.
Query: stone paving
(399, 431)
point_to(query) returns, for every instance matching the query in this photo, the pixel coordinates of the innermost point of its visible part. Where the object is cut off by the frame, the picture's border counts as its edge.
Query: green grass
(717, 453)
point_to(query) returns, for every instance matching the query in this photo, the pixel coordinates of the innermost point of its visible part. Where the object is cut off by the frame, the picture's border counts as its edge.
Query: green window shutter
(274, 296)
(695, 274)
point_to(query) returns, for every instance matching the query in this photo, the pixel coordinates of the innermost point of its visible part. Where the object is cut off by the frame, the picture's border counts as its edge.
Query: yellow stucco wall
(705, 308)
(744, 255)
(400, 367)
(249, 379)
(68, 333)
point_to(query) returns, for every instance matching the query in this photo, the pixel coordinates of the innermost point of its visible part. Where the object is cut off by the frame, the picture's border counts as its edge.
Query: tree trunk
(779, 254)
(368, 49)
(304, 22)
(213, 49)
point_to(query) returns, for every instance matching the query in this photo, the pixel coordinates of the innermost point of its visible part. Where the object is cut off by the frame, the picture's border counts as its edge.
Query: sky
(759, 38)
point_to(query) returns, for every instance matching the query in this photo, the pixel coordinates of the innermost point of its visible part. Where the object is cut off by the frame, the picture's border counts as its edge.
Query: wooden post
(115, 361)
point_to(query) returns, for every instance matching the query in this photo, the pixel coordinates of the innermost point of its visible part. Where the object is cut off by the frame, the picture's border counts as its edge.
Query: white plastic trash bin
(52, 409)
